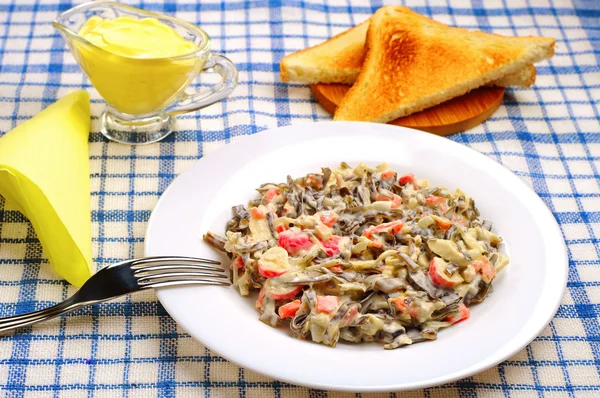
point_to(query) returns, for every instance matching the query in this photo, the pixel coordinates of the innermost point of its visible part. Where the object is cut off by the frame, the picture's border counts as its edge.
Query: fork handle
(30, 318)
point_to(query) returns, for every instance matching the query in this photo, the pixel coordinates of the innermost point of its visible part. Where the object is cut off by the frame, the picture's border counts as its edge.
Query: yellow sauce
(131, 62)
(136, 38)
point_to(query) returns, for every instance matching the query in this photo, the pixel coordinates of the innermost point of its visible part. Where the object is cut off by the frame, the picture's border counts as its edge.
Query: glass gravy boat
(144, 94)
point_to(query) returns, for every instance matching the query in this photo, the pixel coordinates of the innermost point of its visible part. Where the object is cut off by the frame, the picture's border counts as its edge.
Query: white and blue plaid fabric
(549, 135)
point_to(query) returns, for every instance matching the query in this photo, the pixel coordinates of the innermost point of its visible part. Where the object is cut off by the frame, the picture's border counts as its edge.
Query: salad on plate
(361, 254)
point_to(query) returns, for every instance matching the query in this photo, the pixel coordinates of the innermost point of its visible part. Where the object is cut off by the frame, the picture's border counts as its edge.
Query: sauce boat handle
(208, 96)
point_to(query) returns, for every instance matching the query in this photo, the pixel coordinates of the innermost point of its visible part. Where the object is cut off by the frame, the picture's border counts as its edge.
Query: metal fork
(128, 277)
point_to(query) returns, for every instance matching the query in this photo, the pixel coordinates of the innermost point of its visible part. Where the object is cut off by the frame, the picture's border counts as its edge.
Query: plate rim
(451, 377)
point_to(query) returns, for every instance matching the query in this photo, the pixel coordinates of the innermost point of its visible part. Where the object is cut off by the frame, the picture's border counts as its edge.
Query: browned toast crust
(413, 62)
(344, 52)
(340, 59)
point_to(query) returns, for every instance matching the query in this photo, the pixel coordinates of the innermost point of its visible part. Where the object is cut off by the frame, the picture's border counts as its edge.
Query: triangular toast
(413, 63)
(337, 60)
(340, 59)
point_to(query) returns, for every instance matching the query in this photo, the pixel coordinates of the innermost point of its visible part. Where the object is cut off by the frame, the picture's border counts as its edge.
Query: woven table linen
(549, 135)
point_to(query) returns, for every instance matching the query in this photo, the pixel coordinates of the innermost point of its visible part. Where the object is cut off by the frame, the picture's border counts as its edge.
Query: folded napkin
(44, 172)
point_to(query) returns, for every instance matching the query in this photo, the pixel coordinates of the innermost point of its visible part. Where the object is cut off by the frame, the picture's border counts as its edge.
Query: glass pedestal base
(136, 130)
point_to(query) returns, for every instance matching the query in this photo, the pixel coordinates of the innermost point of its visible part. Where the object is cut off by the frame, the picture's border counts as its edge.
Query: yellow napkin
(44, 172)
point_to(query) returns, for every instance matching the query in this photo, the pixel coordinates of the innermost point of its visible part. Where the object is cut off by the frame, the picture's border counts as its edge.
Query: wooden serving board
(457, 114)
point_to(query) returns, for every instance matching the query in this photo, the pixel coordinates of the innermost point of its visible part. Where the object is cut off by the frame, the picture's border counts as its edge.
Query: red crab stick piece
(268, 272)
(406, 179)
(350, 316)
(463, 313)
(289, 310)
(257, 213)
(434, 199)
(334, 245)
(273, 263)
(294, 242)
(327, 304)
(270, 194)
(286, 293)
(437, 273)
(483, 266)
(335, 268)
(403, 308)
(392, 227)
(442, 222)
(396, 200)
(386, 175)
(329, 218)
(238, 263)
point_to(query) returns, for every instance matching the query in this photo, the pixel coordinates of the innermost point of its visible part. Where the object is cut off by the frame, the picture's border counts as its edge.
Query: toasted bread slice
(413, 63)
(523, 77)
(340, 59)
(337, 60)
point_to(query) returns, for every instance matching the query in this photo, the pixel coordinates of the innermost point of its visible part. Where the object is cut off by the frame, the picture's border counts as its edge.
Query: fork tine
(169, 267)
(180, 275)
(179, 259)
(180, 282)
(206, 260)
(129, 276)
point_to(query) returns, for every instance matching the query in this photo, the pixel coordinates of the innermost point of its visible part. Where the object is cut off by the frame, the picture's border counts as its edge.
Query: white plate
(526, 296)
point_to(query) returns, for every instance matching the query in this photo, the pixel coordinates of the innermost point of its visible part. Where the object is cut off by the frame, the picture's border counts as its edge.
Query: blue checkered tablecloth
(549, 135)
